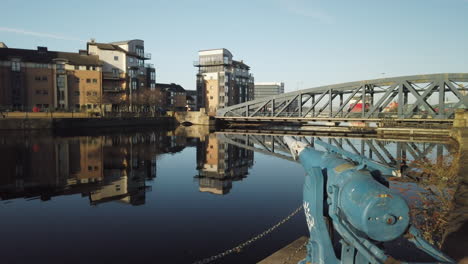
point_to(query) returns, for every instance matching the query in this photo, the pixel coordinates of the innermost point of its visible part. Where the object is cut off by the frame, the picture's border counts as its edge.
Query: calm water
(133, 197)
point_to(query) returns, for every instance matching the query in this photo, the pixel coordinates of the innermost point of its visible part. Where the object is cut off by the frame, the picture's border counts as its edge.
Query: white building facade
(266, 89)
(222, 81)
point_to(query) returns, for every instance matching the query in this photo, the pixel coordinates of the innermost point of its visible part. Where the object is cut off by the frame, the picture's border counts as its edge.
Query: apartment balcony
(209, 63)
(149, 65)
(112, 89)
(113, 76)
(147, 56)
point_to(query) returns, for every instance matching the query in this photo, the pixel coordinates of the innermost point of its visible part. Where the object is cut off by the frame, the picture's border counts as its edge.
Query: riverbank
(12, 124)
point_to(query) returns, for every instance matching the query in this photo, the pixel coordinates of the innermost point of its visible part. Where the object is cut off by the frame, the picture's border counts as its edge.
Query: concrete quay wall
(193, 117)
(76, 123)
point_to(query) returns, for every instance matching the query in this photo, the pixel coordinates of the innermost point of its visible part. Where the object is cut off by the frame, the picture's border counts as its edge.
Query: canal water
(150, 195)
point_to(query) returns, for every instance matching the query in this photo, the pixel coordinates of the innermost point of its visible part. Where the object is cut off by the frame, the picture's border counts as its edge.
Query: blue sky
(305, 43)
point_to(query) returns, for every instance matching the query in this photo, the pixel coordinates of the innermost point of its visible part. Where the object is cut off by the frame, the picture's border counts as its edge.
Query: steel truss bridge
(393, 153)
(433, 98)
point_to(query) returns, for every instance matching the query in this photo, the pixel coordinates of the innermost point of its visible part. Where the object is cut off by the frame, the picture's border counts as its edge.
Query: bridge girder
(390, 152)
(418, 96)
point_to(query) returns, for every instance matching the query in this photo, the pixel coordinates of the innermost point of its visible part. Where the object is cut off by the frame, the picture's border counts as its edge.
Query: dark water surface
(147, 196)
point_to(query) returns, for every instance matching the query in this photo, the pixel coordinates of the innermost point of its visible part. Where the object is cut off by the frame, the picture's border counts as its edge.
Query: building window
(37, 78)
(44, 78)
(77, 80)
(38, 91)
(45, 92)
(139, 51)
(116, 58)
(94, 93)
(88, 68)
(94, 80)
(77, 93)
(15, 66)
(115, 72)
(88, 93)
(77, 67)
(77, 106)
(130, 60)
(60, 66)
(142, 84)
(61, 81)
(88, 80)
(93, 68)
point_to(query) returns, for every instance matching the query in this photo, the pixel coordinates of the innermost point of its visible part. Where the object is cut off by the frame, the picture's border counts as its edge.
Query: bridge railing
(326, 115)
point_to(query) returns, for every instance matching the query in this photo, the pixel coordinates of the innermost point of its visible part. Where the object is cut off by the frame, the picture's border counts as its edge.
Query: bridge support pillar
(461, 118)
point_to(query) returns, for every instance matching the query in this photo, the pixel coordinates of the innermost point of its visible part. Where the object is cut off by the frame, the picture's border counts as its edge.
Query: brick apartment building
(49, 80)
(125, 74)
(175, 96)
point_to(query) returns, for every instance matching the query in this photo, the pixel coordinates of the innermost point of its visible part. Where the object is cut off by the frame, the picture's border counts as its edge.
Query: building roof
(240, 64)
(3, 45)
(124, 41)
(170, 87)
(42, 55)
(113, 46)
(107, 46)
(270, 83)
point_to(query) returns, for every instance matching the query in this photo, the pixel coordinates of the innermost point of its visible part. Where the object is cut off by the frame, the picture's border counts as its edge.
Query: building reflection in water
(103, 168)
(219, 164)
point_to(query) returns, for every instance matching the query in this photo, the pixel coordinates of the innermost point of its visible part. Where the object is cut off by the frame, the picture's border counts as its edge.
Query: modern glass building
(266, 89)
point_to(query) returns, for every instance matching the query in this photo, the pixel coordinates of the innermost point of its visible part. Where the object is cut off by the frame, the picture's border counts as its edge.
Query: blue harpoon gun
(364, 212)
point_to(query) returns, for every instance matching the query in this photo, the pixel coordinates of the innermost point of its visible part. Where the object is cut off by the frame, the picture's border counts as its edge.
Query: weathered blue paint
(361, 210)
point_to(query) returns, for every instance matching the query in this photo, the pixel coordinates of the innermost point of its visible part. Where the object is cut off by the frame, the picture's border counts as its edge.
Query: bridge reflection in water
(117, 167)
(390, 152)
(224, 157)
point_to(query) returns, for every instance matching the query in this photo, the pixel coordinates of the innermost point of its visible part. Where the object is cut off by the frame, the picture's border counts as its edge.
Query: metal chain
(295, 252)
(239, 247)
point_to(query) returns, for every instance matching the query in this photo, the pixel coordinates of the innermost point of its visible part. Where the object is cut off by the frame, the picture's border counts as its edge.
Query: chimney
(42, 49)
(83, 52)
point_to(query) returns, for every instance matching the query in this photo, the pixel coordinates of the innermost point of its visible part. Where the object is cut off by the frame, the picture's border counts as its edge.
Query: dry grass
(438, 179)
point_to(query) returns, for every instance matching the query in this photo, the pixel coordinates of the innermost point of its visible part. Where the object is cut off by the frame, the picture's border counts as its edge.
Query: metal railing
(208, 63)
(33, 112)
(112, 89)
(113, 75)
(78, 114)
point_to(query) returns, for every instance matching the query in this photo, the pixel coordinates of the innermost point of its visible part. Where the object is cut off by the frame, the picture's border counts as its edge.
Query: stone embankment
(77, 122)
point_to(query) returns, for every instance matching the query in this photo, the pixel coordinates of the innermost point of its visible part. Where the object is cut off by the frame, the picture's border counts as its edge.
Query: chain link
(295, 252)
(239, 247)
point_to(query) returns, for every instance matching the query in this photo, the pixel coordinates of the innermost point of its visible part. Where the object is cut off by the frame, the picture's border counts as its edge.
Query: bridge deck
(334, 119)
